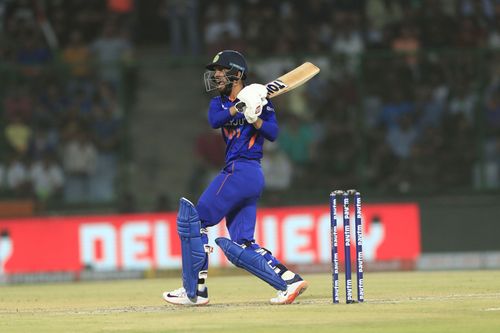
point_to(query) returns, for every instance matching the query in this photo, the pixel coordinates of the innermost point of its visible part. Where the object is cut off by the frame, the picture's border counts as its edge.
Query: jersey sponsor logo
(235, 122)
(275, 86)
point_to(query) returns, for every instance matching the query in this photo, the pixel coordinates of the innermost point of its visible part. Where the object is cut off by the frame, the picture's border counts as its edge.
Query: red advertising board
(296, 235)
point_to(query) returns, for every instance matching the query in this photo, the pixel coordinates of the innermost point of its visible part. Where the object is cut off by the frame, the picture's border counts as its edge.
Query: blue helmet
(232, 60)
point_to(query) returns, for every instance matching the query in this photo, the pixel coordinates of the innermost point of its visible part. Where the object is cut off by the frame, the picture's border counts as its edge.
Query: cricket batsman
(246, 118)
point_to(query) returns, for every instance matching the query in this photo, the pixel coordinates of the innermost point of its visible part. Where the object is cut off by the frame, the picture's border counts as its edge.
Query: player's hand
(252, 95)
(252, 112)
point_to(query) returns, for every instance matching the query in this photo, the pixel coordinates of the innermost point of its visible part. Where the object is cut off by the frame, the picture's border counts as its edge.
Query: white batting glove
(252, 95)
(252, 112)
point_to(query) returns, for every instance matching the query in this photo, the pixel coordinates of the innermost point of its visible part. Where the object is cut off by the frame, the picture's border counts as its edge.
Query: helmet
(232, 60)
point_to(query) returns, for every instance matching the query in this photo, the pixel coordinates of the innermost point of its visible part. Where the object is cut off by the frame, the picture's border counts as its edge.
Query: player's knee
(188, 221)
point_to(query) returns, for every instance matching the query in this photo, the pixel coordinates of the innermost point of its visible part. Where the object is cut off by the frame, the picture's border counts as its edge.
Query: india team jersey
(242, 139)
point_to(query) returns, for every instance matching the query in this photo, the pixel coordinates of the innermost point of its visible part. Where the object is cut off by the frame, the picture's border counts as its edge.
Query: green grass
(395, 302)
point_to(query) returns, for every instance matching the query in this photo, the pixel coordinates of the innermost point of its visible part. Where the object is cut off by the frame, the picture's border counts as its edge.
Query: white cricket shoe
(292, 291)
(179, 297)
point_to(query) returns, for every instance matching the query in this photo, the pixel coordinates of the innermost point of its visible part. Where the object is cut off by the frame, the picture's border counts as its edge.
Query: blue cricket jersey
(242, 139)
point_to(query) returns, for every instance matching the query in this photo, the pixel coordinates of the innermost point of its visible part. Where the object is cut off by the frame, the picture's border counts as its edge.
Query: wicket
(345, 195)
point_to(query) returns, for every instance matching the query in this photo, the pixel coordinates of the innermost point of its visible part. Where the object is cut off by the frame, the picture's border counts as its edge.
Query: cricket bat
(292, 79)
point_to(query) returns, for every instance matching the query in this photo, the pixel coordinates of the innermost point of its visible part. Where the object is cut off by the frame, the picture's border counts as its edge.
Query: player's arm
(217, 115)
(267, 125)
(258, 124)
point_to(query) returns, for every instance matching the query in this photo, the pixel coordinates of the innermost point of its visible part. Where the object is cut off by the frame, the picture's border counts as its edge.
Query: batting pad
(251, 261)
(193, 252)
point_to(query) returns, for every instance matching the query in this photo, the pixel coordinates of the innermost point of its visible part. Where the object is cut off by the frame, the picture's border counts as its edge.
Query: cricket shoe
(179, 297)
(295, 287)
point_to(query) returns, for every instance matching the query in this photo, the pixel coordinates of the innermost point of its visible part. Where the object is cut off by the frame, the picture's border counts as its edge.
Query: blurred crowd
(408, 100)
(283, 27)
(61, 114)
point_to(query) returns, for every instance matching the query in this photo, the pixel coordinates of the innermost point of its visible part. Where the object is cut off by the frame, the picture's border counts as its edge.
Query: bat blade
(292, 79)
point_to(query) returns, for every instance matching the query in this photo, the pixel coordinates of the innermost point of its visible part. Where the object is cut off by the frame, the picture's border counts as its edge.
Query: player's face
(221, 80)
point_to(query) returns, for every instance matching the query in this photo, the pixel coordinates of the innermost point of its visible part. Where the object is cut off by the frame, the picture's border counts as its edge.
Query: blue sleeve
(269, 129)
(217, 115)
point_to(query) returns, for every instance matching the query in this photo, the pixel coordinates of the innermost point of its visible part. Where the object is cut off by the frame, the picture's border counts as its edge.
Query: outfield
(396, 302)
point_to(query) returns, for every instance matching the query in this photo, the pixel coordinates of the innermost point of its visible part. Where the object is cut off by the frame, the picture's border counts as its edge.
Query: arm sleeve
(218, 116)
(269, 129)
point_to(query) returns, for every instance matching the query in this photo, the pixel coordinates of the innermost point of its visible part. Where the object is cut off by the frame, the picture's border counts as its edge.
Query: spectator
(395, 107)
(222, 25)
(348, 39)
(83, 102)
(382, 13)
(18, 103)
(402, 137)
(106, 136)
(407, 42)
(482, 8)
(3, 181)
(109, 52)
(106, 97)
(79, 161)
(17, 177)
(43, 141)
(297, 140)
(492, 142)
(71, 123)
(429, 110)
(487, 174)
(493, 112)
(336, 160)
(33, 54)
(18, 135)
(77, 55)
(423, 163)
(494, 35)
(54, 102)
(209, 154)
(463, 100)
(47, 178)
(182, 17)
(278, 172)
